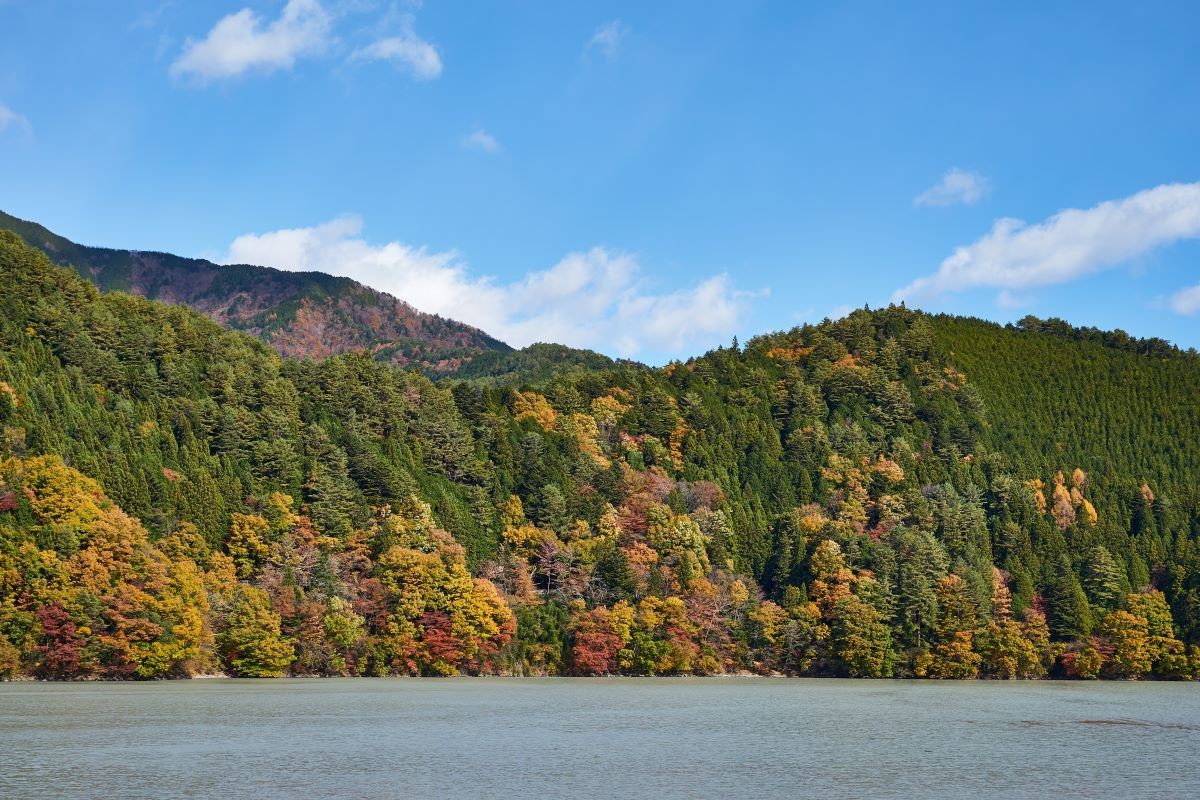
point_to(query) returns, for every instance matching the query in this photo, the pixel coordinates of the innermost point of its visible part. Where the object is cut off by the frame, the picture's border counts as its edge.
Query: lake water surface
(548, 738)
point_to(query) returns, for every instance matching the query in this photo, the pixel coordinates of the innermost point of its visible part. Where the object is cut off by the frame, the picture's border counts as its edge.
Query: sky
(644, 179)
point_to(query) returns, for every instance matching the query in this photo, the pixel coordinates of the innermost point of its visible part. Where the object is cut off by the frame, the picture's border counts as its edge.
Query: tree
(60, 653)
(1083, 663)
(920, 563)
(344, 630)
(433, 594)
(1129, 637)
(329, 490)
(1166, 652)
(954, 655)
(612, 579)
(247, 543)
(251, 645)
(862, 643)
(1102, 578)
(1006, 653)
(598, 636)
(1070, 614)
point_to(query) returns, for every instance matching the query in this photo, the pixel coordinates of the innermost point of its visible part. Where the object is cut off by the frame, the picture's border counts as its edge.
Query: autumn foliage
(843, 499)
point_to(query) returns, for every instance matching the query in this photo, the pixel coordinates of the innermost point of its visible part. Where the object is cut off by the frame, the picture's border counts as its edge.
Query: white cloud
(592, 299)
(11, 119)
(240, 43)
(608, 37)
(956, 187)
(481, 140)
(1186, 301)
(1069, 245)
(407, 49)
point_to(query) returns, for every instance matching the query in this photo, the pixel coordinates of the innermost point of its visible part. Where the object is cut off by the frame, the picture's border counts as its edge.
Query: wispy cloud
(1069, 245)
(407, 50)
(1186, 301)
(150, 17)
(608, 38)
(594, 298)
(1011, 301)
(957, 187)
(12, 121)
(839, 311)
(481, 140)
(244, 42)
(241, 42)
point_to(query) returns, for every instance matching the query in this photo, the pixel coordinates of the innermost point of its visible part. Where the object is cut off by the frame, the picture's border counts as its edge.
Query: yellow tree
(953, 654)
(1130, 639)
(1166, 652)
(247, 543)
(251, 645)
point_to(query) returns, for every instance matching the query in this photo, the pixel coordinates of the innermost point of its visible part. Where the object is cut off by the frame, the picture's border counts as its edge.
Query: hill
(838, 499)
(302, 314)
(533, 365)
(1123, 409)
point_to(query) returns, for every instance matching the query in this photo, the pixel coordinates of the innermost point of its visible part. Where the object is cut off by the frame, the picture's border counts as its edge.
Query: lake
(609, 737)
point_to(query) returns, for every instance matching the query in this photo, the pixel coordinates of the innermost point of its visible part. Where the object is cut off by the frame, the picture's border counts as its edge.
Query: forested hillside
(301, 314)
(535, 364)
(1124, 409)
(840, 499)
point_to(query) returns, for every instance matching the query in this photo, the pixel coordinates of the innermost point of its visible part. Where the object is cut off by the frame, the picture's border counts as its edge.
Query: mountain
(301, 314)
(891, 494)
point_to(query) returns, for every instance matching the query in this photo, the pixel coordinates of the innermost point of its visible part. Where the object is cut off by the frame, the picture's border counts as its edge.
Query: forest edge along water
(892, 494)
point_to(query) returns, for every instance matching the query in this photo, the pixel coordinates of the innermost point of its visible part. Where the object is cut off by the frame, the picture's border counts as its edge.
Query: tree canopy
(891, 494)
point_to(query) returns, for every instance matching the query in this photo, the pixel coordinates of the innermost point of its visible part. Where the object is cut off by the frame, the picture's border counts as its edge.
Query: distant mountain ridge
(300, 314)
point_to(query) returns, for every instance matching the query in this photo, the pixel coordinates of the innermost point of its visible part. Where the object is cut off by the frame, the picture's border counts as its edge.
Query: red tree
(61, 647)
(596, 644)
(441, 651)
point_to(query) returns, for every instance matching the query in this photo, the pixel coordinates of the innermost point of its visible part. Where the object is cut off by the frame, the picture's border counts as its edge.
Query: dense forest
(888, 495)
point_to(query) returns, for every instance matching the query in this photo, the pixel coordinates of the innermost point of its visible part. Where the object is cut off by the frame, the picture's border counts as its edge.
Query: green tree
(1070, 614)
(862, 643)
(1102, 578)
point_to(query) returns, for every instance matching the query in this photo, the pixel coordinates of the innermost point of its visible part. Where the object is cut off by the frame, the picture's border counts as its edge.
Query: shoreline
(777, 676)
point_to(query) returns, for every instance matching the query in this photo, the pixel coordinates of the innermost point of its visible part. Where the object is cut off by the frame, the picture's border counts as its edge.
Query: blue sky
(646, 179)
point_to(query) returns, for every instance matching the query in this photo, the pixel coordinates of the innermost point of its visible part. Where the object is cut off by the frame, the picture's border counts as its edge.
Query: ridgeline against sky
(645, 180)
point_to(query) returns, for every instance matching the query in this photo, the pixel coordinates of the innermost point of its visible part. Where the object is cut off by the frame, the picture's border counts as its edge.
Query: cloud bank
(957, 187)
(594, 299)
(1069, 245)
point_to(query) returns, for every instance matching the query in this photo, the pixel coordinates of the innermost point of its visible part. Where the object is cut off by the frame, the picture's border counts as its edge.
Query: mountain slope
(302, 314)
(1120, 408)
(832, 500)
